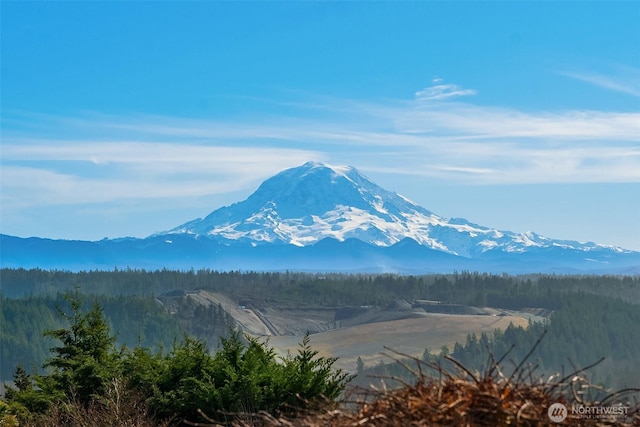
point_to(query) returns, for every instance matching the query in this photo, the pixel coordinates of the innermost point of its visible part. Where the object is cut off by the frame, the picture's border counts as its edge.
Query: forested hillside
(583, 329)
(88, 377)
(325, 289)
(135, 320)
(592, 316)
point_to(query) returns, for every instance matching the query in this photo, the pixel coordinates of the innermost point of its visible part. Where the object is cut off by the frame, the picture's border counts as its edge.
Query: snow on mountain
(304, 205)
(321, 218)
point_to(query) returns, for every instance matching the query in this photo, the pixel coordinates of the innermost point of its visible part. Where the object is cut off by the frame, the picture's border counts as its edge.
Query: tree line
(333, 289)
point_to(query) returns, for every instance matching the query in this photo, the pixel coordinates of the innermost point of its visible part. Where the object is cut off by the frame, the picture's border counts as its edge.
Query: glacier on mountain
(304, 205)
(321, 218)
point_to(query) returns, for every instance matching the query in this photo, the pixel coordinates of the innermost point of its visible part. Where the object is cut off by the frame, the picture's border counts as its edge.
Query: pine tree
(86, 360)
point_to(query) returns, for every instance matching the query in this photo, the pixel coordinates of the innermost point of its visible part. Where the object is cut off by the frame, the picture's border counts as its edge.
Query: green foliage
(593, 316)
(312, 376)
(585, 329)
(135, 320)
(80, 367)
(327, 289)
(7, 418)
(86, 359)
(25, 397)
(23, 323)
(141, 369)
(243, 376)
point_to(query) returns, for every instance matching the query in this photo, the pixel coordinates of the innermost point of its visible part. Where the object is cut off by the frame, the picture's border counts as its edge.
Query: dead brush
(118, 407)
(456, 396)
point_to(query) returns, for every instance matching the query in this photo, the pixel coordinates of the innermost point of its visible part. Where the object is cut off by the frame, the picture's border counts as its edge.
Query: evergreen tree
(86, 359)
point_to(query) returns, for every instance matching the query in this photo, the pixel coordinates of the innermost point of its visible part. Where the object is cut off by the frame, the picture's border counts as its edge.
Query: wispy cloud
(439, 91)
(52, 172)
(489, 122)
(97, 158)
(623, 79)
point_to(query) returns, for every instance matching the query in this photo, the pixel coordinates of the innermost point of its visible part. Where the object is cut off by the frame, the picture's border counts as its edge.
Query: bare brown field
(365, 331)
(409, 336)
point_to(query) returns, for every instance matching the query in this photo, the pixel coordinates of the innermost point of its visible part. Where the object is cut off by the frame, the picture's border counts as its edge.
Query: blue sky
(127, 118)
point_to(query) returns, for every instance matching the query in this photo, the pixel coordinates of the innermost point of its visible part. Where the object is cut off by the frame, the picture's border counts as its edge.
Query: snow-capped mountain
(322, 218)
(306, 204)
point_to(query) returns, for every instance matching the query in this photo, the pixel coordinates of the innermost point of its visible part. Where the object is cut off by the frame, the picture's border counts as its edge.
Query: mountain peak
(303, 205)
(319, 217)
(313, 166)
(317, 172)
(314, 189)
(308, 203)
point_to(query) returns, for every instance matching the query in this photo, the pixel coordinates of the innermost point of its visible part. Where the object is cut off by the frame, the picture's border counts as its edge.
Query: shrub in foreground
(90, 381)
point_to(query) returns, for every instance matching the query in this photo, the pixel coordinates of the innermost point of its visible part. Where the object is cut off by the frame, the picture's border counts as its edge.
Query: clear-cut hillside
(306, 204)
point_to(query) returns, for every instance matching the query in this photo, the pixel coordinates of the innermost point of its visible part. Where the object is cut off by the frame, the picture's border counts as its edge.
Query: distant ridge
(318, 217)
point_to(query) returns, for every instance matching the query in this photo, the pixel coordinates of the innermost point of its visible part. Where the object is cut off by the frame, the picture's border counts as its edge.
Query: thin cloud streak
(408, 123)
(41, 173)
(456, 142)
(442, 91)
(141, 151)
(627, 80)
(31, 187)
(492, 123)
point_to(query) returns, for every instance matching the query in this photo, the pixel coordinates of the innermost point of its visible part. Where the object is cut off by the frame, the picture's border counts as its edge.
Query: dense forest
(326, 289)
(592, 316)
(135, 320)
